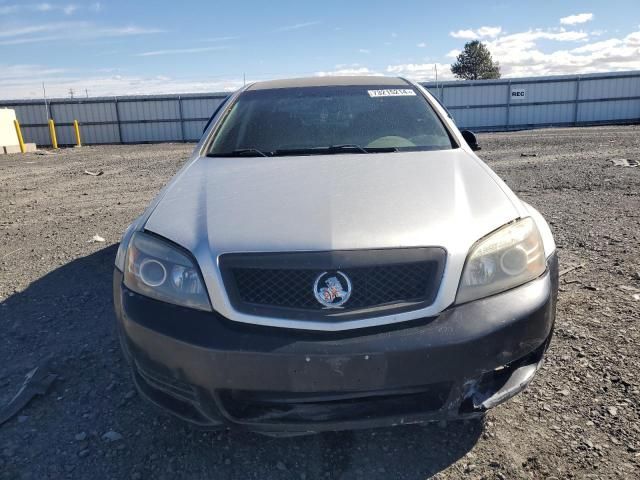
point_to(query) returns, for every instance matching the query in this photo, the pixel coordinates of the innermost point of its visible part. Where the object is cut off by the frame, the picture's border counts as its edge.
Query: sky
(147, 47)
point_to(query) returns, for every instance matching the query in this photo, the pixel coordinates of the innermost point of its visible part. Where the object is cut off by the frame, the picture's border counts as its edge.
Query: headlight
(157, 269)
(121, 255)
(506, 258)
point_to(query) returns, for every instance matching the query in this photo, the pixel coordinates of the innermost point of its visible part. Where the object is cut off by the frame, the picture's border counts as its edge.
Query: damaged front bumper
(214, 372)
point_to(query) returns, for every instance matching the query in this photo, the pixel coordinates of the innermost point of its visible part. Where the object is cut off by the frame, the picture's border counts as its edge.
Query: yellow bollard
(52, 132)
(16, 123)
(76, 126)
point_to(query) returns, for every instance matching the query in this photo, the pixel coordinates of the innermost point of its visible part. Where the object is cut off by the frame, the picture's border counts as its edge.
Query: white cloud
(44, 7)
(353, 69)
(8, 9)
(453, 53)
(575, 19)
(421, 45)
(297, 26)
(521, 55)
(598, 46)
(489, 31)
(26, 40)
(527, 40)
(633, 38)
(56, 31)
(532, 52)
(176, 51)
(220, 39)
(421, 71)
(28, 29)
(364, 50)
(25, 81)
(126, 31)
(482, 32)
(465, 34)
(19, 72)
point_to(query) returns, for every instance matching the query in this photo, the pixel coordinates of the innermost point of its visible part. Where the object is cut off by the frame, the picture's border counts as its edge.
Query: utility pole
(244, 79)
(71, 93)
(46, 106)
(86, 92)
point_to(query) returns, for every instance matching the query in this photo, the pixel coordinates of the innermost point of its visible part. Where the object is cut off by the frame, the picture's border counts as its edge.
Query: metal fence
(483, 105)
(521, 103)
(131, 119)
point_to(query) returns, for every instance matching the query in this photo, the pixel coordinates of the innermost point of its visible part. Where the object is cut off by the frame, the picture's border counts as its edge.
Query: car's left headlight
(504, 259)
(160, 270)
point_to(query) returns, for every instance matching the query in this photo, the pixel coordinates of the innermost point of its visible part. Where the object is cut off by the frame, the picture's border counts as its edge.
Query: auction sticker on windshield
(392, 92)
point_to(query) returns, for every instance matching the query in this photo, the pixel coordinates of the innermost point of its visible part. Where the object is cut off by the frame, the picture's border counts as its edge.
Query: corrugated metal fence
(477, 105)
(520, 103)
(132, 119)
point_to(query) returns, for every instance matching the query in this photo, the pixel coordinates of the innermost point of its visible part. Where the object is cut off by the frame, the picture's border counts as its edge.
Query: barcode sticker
(392, 92)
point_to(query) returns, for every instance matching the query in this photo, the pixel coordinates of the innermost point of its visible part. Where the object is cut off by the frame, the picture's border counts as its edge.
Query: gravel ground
(579, 418)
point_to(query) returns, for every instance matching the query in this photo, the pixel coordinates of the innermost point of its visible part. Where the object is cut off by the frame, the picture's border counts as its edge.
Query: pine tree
(475, 63)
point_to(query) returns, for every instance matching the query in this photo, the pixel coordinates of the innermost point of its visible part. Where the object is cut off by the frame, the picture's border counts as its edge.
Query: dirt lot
(579, 419)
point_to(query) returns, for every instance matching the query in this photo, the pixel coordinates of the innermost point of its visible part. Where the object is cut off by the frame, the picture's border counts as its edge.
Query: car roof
(329, 81)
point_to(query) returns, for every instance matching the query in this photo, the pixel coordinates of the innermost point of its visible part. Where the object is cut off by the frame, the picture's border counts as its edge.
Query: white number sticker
(392, 92)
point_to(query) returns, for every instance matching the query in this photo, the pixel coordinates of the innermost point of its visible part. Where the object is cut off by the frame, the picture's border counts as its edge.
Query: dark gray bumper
(213, 371)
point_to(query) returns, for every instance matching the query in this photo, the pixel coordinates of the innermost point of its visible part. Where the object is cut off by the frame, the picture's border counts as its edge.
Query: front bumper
(215, 372)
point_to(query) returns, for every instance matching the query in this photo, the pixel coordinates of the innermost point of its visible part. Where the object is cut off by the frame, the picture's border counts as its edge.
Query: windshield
(333, 119)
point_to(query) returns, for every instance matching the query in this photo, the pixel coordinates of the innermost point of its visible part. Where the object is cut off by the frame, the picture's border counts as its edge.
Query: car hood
(333, 202)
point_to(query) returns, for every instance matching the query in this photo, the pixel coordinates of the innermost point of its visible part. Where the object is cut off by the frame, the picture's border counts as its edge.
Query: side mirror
(471, 139)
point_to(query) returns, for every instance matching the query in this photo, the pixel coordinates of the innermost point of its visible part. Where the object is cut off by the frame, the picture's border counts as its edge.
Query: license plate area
(335, 373)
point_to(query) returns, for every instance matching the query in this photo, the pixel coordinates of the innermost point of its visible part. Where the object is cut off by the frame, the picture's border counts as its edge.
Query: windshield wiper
(347, 148)
(363, 149)
(240, 152)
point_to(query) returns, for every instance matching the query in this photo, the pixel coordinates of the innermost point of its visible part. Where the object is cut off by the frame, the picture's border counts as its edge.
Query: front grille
(270, 407)
(381, 280)
(371, 285)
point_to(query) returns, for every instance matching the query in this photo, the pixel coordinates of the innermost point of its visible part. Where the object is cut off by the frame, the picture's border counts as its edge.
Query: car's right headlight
(160, 270)
(504, 259)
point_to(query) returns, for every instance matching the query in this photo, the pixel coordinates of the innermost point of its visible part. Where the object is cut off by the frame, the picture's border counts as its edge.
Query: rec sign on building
(518, 93)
